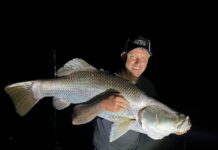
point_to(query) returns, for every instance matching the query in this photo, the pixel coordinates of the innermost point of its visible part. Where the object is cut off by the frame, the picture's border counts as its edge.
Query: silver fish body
(78, 82)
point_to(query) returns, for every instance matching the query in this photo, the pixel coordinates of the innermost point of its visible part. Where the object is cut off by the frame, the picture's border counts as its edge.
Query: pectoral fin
(60, 103)
(136, 127)
(84, 113)
(118, 129)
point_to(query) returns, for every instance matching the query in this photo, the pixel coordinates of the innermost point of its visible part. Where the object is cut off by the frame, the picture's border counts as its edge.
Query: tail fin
(24, 95)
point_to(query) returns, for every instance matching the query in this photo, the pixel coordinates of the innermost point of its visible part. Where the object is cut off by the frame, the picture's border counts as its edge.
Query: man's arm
(84, 113)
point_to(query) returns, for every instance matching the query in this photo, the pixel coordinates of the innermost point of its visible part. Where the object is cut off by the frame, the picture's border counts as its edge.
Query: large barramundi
(78, 82)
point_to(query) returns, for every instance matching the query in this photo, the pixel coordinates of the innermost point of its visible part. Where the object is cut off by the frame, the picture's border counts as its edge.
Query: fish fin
(136, 127)
(84, 113)
(118, 129)
(60, 103)
(24, 95)
(76, 64)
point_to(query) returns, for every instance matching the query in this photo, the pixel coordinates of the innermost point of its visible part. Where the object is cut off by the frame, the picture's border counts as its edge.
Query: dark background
(182, 67)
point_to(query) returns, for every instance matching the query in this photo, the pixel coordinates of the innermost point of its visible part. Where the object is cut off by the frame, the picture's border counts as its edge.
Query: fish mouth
(180, 123)
(185, 124)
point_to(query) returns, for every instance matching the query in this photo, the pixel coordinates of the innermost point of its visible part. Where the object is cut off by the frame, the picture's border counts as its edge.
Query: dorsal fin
(76, 64)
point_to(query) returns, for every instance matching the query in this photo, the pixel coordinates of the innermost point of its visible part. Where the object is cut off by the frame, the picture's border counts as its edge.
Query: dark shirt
(131, 139)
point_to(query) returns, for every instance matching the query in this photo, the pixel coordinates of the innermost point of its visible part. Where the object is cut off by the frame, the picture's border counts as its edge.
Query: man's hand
(114, 103)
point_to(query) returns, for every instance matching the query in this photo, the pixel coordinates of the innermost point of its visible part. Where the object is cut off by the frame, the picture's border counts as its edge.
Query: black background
(182, 66)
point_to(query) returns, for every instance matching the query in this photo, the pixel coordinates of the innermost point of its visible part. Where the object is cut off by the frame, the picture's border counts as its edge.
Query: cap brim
(129, 48)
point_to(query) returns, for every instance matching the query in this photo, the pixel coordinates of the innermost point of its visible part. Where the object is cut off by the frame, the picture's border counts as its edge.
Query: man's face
(137, 60)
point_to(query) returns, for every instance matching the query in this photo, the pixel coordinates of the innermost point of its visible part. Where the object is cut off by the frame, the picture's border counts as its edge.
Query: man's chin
(136, 75)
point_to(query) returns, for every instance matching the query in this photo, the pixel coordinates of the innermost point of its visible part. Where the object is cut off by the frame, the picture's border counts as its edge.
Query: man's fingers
(122, 100)
(124, 106)
(115, 102)
(122, 109)
(121, 103)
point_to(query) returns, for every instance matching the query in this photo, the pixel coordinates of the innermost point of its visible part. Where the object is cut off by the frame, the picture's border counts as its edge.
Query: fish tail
(24, 95)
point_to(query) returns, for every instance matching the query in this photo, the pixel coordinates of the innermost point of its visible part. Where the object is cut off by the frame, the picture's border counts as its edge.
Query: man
(135, 59)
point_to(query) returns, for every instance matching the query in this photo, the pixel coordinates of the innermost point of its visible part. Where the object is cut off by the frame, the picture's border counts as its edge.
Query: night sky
(182, 69)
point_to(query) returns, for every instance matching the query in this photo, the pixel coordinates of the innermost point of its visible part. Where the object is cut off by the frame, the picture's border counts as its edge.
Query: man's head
(136, 55)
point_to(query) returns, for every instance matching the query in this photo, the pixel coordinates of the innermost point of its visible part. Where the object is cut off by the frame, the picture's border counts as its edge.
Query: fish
(78, 82)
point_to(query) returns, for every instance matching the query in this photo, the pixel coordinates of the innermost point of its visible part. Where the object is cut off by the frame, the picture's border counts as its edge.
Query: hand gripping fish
(78, 82)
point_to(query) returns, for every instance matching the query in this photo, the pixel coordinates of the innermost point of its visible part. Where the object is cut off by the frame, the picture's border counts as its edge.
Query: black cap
(136, 42)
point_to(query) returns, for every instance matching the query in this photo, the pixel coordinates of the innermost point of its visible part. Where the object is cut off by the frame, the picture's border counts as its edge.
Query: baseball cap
(138, 41)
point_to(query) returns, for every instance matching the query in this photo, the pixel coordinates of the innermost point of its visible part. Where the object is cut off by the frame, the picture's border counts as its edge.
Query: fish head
(158, 122)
